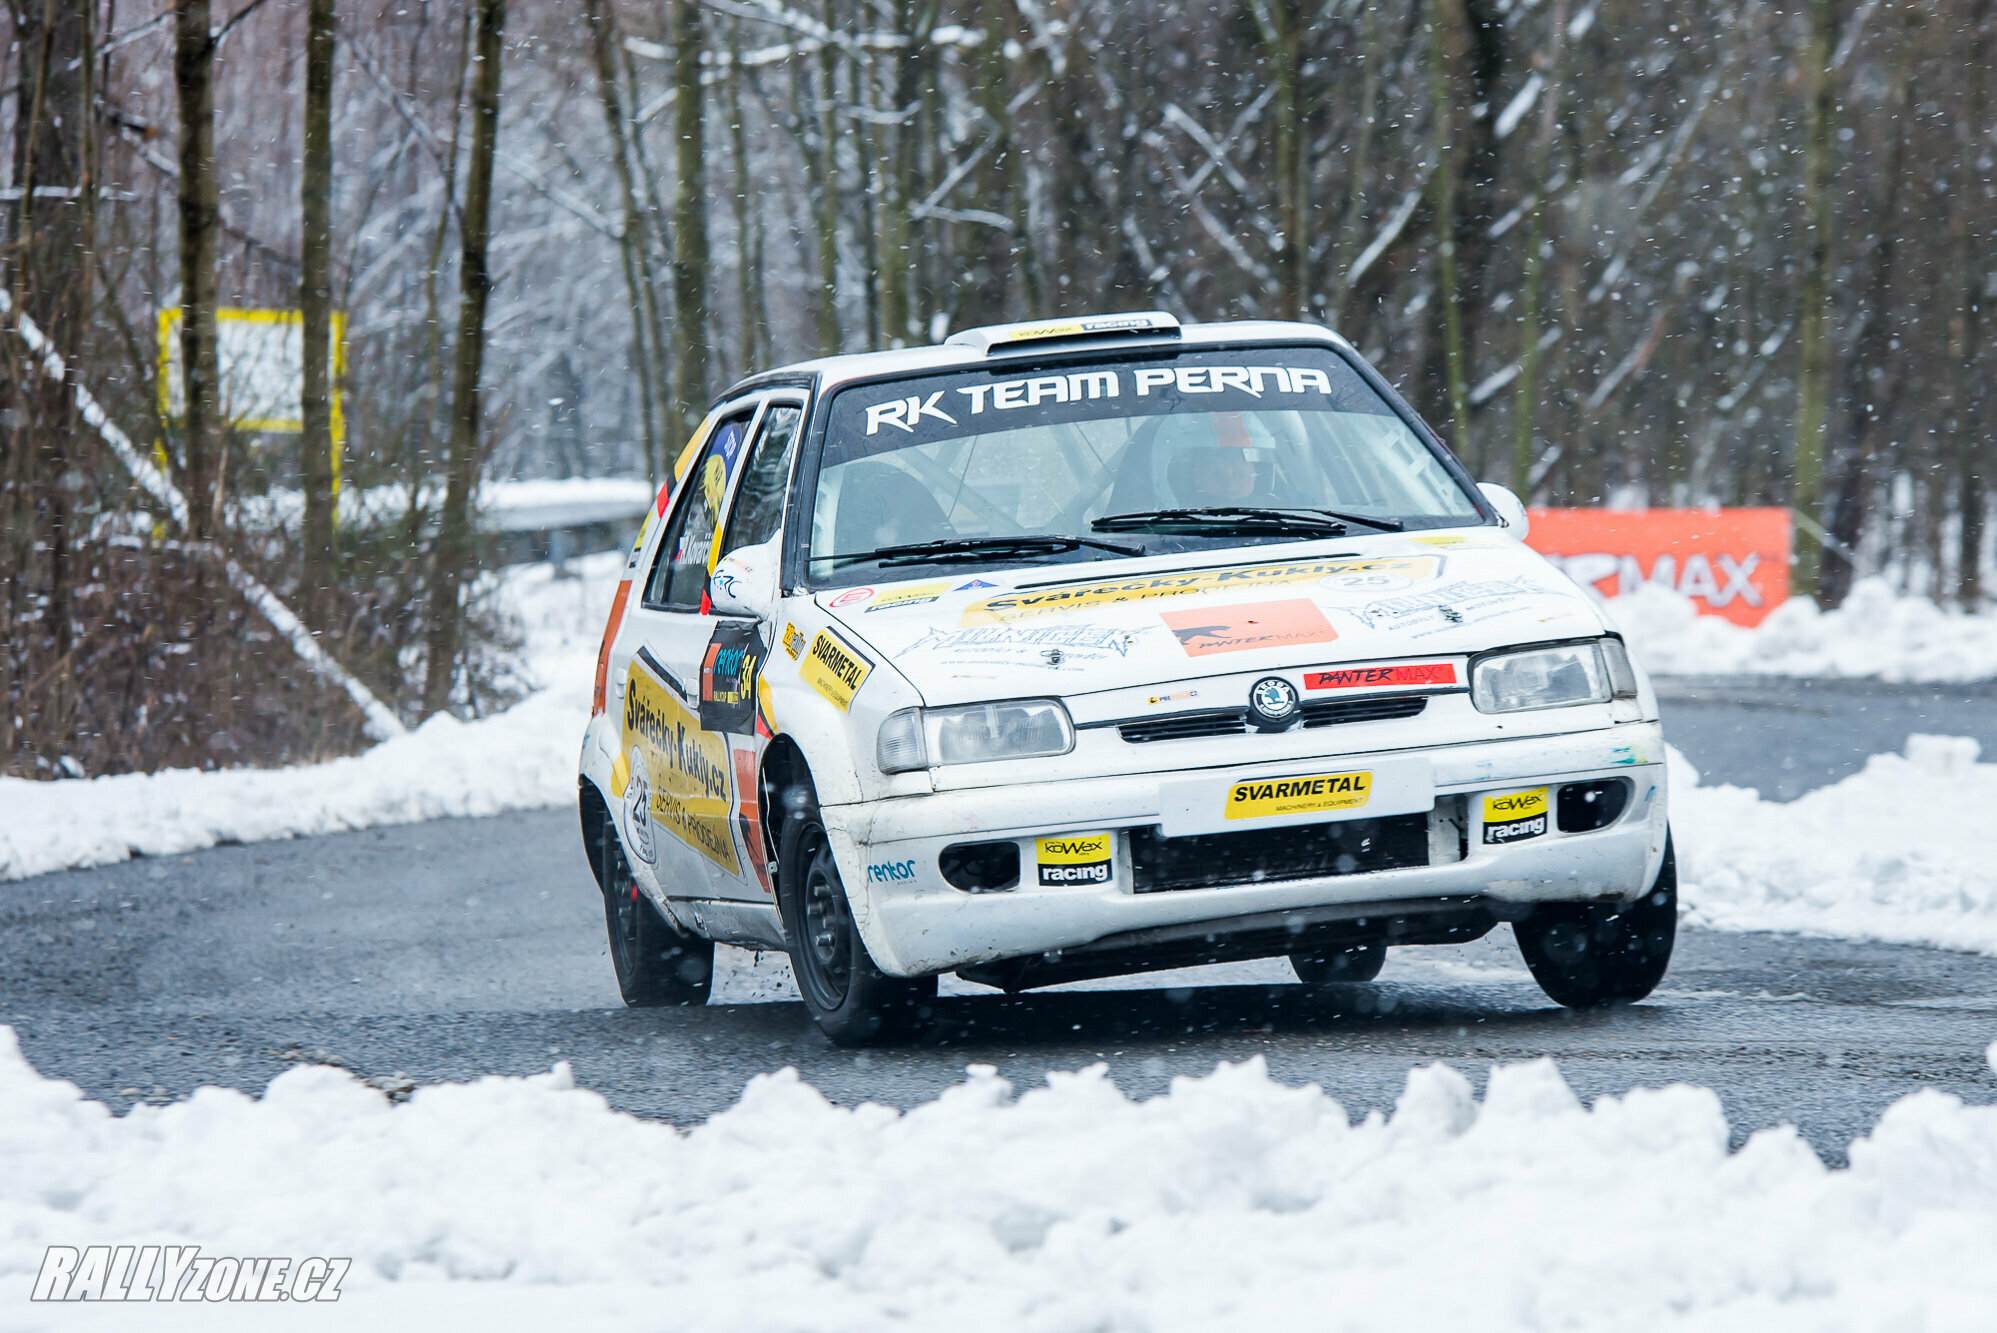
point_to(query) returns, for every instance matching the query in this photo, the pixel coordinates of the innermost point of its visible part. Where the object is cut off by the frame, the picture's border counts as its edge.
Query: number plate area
(1326, 791)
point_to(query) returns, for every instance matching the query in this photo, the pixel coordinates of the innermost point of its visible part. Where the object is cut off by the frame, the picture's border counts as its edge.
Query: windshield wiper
(996, 548)
(1329, 522)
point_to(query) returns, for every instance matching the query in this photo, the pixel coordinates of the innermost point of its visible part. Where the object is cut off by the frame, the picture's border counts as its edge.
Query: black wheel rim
(826, 949)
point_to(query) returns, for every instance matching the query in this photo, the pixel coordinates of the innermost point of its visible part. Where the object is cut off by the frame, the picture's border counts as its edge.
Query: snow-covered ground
(1876, 633)
(1230, 1202)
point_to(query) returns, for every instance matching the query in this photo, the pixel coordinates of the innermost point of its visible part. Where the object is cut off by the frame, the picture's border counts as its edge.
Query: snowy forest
(1720, 252)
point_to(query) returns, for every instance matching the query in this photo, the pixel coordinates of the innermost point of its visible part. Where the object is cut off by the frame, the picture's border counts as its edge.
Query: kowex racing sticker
(1386, 675)
(835, 668)
(1269, 797)
(1515, 816)
(687, 767)
(1059, 601)
(1074, 858)
(728, 674)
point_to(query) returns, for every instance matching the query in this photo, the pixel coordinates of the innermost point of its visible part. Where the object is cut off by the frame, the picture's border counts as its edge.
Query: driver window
(679, 571)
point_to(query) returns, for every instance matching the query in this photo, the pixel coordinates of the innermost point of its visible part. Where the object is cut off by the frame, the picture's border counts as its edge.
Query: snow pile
(1232, 1201)
(1904, 850)
(523, 758)
(1876, 633)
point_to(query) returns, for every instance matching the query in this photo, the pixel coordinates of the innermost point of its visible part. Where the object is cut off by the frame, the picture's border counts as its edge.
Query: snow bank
(1230, 1202)
(1876, 633)
(523, 758)
(1904, 850)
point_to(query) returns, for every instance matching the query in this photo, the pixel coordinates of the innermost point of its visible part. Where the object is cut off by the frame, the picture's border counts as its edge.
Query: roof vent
(998, 337)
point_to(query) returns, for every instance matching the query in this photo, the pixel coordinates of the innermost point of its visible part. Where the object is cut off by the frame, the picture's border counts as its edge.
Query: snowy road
(445, 950)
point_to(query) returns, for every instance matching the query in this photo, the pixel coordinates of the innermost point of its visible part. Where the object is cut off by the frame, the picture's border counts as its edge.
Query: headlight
(1558, 677)
(1013, 729)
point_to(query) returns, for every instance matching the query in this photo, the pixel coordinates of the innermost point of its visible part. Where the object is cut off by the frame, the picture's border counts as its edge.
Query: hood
(1075, 629)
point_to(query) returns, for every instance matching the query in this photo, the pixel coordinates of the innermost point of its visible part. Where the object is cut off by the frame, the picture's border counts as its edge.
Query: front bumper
(914, 922)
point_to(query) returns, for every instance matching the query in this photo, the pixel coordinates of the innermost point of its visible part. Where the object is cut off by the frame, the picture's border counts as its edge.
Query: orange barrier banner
(1730, 562)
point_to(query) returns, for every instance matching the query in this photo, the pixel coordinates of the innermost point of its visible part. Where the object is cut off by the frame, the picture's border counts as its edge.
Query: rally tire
(1586, 955)
(656, 965)
(853, 1002)
(1339, 966)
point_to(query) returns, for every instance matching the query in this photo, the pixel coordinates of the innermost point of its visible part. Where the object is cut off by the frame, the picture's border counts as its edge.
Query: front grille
(1378, 708)
(1260, 856)
(1185, 726)
(1234, 721)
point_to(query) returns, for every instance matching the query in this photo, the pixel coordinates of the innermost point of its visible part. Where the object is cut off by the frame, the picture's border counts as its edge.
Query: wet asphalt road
(457, 948)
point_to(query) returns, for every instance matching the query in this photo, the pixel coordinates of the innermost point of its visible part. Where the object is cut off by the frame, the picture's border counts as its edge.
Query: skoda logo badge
(1272, 702)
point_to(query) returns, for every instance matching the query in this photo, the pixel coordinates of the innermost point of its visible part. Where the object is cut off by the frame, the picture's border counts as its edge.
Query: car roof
(830, 372)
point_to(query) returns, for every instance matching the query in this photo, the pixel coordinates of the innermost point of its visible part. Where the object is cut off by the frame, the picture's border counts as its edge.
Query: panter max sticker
(688, 768)
(1419, 675)
(1515, 816)
(1235, 629)
(728, 679)
(1010, 607)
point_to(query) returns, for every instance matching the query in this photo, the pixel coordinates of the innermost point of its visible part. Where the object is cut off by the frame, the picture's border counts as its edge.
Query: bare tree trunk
(1972, 381)
(454, 522)
(1813, 371)
(315, 299)
(1443, 182)
(690, 257)
(1871, 387)
(1525, 412)
(817, 133)
(748, 216)
(1359, 166)
(1283, 27)
(200, 218)
(633, 245)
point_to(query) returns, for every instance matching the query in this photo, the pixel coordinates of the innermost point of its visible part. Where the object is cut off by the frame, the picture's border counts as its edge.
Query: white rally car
(1085, 647)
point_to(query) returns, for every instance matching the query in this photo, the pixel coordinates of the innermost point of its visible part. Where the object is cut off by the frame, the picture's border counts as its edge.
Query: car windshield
(1175, 453)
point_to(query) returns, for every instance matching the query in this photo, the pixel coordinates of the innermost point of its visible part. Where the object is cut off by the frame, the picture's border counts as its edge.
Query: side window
(759, 500)
(679, 571)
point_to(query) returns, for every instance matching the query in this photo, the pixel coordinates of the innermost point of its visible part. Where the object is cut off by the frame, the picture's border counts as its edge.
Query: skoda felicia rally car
(1085, 647)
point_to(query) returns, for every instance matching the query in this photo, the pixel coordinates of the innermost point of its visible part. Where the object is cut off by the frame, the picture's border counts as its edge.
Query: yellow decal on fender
(1296, 796)
(689, 769)
(835, 668)
(1058, 601)
(793, 641)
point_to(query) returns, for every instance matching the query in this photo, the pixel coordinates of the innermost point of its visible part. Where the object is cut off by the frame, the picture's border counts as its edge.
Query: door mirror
(1511, 510)
(745, 582)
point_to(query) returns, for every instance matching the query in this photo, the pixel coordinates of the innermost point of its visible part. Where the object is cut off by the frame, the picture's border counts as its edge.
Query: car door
(680, 795)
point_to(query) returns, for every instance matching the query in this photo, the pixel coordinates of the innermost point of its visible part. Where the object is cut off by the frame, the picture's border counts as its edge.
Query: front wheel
(656, 965)
(1585, 955)
(853, 1001)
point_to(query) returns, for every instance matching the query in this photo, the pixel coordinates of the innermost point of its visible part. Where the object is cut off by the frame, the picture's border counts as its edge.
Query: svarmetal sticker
(835, 668)
(1268, 797)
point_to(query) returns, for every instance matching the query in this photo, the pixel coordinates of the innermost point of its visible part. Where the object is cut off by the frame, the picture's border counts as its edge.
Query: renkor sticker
(1059, 601)
(1074, 858)
(689, 769)
(890, 872)
(1422, 675)
(1515, 816)
(1297, 796)
(1244, 626)
(835, 668)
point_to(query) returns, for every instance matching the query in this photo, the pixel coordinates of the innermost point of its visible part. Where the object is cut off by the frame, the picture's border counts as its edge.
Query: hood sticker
(835, 668)
(896, 598)
(1452, 604)
(1012, 645)
(1424, 675)
(1245, 626)
(1060, 601)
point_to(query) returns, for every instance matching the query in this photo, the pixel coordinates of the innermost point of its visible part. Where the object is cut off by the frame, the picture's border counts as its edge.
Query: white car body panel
(1123, 640)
